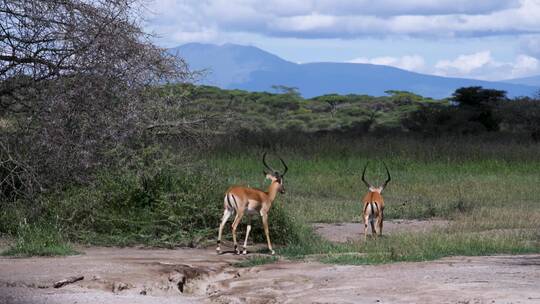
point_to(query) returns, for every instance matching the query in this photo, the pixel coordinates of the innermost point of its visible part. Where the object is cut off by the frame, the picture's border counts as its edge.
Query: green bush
(39, 239)
(167, 208)
(157, 204)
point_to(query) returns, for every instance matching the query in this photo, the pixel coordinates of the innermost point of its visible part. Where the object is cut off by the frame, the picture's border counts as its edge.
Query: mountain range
(232, 66)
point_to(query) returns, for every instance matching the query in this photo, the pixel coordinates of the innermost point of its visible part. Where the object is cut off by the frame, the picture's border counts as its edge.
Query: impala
(239, 200)
(374, 205)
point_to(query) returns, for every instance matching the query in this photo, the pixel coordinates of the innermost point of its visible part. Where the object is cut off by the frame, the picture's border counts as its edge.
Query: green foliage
(154, 200)
(463, 180)
(40, 239)
(477, 96)
(475, 112)
(286, 110)
(167, 208)
(470, 111)
(428, 246)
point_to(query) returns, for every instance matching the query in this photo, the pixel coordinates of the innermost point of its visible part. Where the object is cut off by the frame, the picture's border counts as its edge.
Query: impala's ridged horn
(364, 175)
(284, 166)
(388, 173)
(266, 165)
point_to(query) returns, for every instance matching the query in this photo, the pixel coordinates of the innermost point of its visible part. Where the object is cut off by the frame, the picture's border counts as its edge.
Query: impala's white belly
(252, 211)
(253, 207)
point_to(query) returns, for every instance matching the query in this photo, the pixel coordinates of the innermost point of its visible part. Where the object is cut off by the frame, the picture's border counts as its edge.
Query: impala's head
(374, 188)
(274, 175)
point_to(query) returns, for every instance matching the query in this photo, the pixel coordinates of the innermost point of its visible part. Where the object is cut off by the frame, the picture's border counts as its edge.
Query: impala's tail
(373, 206)
(231, 205)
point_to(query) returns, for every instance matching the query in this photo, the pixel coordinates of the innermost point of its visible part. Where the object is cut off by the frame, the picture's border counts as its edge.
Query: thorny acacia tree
(73, 79)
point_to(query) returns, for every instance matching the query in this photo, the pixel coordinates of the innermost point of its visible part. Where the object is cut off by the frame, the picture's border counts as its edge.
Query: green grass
(39, 240)
(488, 189)
(256, 261)
(430, 246)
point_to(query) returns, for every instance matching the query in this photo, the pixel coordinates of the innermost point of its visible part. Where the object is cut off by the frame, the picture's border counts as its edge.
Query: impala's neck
(272, 191)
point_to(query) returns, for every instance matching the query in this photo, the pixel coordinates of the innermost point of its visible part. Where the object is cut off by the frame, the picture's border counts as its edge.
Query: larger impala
(239, 199)
(373, 209)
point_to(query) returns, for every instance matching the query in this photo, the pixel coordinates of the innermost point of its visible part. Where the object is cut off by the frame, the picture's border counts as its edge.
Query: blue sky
(482, 39)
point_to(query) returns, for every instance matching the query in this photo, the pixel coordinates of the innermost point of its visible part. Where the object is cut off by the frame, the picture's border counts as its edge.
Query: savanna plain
(470, 197)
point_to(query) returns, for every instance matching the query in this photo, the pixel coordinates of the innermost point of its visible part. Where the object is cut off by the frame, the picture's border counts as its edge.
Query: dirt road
(130, 275)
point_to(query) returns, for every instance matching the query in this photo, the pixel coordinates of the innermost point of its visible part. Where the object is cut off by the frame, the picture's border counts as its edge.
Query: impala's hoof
(273, 252)
(244, 252)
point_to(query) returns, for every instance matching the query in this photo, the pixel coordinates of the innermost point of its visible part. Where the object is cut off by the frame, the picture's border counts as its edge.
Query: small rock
(176, 277)
(119, 286)
(95, 278)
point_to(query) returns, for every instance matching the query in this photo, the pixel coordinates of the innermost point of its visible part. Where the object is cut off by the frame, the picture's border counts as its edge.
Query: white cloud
(482, 65)
(219, 21)
(530, 45)
(525, 66)
(464, 64)
(348, 18)
(409, 62)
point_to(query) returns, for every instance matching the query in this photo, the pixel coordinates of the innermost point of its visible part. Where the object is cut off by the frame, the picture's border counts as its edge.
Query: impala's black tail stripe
(235, 203)
(365, 208)
(229, 201)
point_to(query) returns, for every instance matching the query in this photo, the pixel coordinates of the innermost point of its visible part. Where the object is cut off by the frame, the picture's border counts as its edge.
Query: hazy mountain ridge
(234, 66)
(530, 81)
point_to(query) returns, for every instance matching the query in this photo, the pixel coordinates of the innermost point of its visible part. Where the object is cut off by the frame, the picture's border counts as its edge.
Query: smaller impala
(240, 200)
(374, 205)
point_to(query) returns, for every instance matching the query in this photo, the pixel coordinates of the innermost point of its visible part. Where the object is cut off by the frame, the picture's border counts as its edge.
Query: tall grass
(488, 189)
(429, 178)
(39, 240)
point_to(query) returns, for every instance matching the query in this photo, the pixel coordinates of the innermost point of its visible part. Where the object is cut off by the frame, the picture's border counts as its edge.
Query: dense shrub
(159, 204)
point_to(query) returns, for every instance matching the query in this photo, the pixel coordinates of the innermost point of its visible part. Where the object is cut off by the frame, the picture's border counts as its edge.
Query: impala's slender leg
(266, 231)
(366, 220)
(372, 218)
(226, 214)
(239, 214)
(372, 224)
(380, 220)
(247, 234)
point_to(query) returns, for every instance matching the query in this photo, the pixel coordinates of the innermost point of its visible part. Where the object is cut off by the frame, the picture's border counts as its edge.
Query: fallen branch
(69, 280)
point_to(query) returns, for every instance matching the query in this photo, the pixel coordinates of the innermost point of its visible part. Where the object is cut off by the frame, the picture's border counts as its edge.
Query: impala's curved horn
(266, 165)
(284, 166)
(387, 173)
(364, 176)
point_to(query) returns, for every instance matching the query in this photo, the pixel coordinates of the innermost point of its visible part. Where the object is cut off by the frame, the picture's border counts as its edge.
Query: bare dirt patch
(128, 275)
(347, 232)
(497, 279)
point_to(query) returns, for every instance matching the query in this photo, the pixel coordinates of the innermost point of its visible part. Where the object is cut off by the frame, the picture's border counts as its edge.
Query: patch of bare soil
(128, 275)
(345, 232)
(495, 279)
(132, 275)
(115, 275)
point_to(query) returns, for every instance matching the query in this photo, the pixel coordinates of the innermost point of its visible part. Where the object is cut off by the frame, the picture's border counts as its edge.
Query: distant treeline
(469, 111)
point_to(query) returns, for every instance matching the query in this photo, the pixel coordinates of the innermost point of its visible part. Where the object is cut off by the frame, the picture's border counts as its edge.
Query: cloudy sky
(483, 39)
